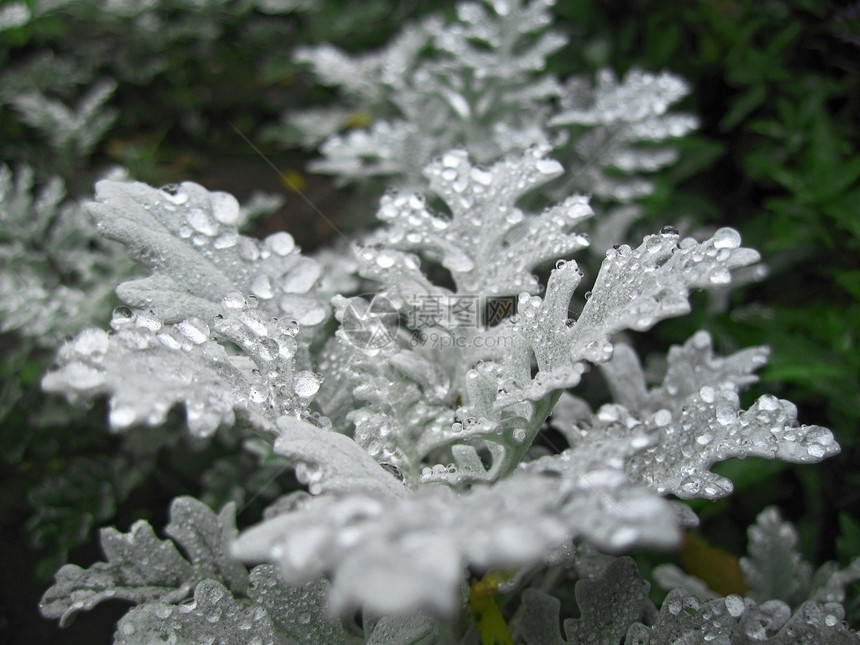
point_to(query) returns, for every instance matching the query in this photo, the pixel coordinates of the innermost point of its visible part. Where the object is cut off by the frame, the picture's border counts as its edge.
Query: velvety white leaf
(56, 270)
(411, 629)
(488, 244)
(298, 612)
(188, 237)
(712, 428)
(331, 462)
(621, 116)
(212, 616)
(408, 553)
(206, 538)
(477, 88)
(690, 367)
(139, 567)
(146, 367)
(142, 568)
(685, 619)
(608, 605)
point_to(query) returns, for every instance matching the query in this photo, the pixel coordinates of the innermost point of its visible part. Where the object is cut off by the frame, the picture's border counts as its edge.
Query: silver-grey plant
(415, 435)
(421, 390)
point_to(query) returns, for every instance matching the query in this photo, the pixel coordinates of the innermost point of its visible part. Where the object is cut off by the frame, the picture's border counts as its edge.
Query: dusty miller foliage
(480, 83)
(418, 431)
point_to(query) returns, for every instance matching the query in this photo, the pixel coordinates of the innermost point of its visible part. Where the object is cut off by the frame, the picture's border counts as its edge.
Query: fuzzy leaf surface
(146, 367)
(299, 612)
(142, 568)
(490, 245)
(188, 238)
(608, 604)
(213, 615)
(401, 554)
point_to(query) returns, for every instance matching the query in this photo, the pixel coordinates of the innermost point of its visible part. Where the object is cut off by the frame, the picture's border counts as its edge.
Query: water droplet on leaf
(726, 238)
(281, 243)
(306, 384)
(225, 208)
(195, 330)
(234, 300)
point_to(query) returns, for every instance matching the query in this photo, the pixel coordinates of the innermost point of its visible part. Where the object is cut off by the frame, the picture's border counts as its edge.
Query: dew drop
(394, 470)
(735, 605)
(288, 327)
(174, 193)
(226, 240)
(122, 416)
(195, 330)
(261, 286)
(148, 321)
(269, 349)
(725, 413)
(251, 320)
(726, 238)
(720, 276)
(122, 315)
(481, 176)
(451, 159)
(653, 244)
(92, 342)
(234, 300)
(662, 418)
(248, 249)
(202, 223)
(281, 243)
(306, 384)
(669, 230)
(385, 260)
(548, 167)
(816, 450)
(225, 208)
(704, 439)
(691, 485)
(768, 402)
(514, 216)
(163, 611)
